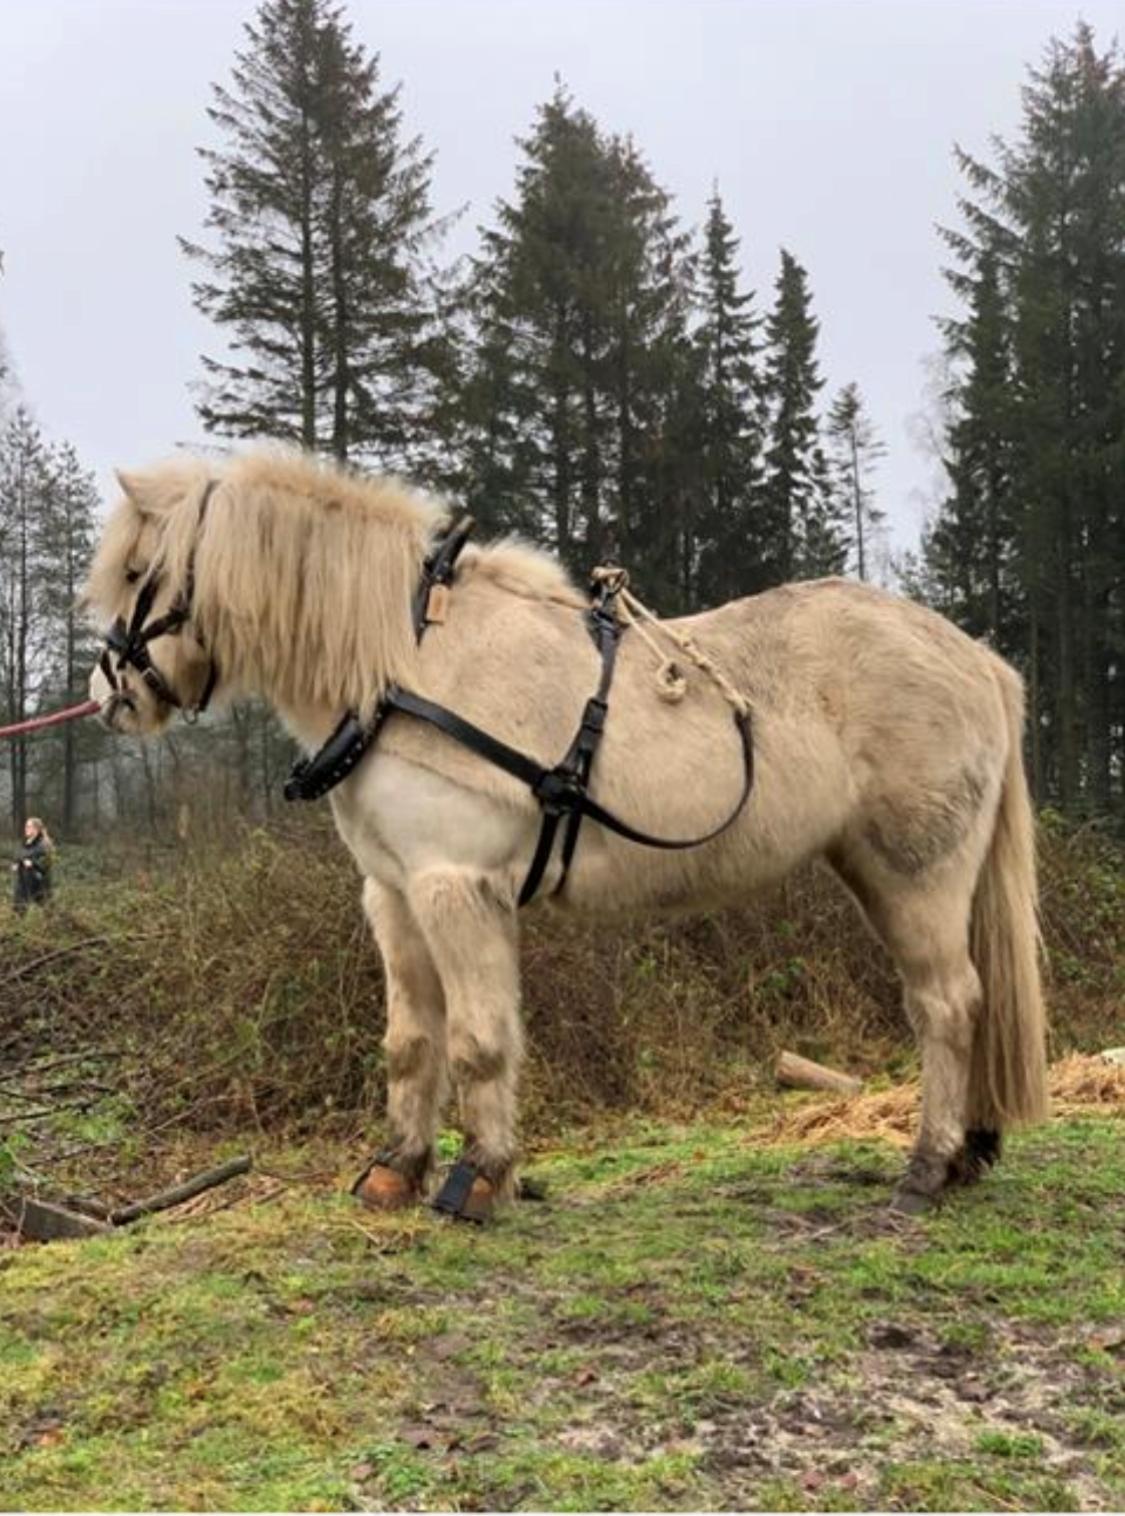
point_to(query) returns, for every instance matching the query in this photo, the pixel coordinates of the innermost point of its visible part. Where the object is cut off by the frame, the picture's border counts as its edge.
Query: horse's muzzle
(116, 710)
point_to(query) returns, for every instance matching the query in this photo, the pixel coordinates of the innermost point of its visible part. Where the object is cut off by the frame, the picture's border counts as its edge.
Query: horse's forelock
(136, 531)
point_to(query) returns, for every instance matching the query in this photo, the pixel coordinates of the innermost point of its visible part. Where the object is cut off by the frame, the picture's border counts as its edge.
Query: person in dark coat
(32, 868)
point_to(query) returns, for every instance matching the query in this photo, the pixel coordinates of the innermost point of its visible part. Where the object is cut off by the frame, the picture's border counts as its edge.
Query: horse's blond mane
(304, 570)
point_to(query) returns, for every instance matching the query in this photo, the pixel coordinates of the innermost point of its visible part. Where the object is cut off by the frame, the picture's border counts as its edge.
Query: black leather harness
(563, 790)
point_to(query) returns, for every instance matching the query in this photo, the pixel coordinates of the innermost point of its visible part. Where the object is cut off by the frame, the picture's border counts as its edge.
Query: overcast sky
(828, 125)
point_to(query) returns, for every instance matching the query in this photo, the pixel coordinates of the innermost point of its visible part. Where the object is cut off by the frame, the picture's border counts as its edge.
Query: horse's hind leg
(924, 923)
(942, 994)
(415, 1050)
(472, 935)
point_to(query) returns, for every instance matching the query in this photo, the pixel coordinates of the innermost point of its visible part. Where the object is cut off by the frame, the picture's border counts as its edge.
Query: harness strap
(606, 632)
(559, 788)
(437, 573)
(312, 777)
(605, 629)
(562, 790)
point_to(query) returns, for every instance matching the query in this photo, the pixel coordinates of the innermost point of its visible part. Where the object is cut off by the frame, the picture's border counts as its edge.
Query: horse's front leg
(415, 1049)
(471, 933)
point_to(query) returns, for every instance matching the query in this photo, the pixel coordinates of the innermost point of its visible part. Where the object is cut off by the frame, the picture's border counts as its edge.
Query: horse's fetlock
(499, 1169)
(410, 1160)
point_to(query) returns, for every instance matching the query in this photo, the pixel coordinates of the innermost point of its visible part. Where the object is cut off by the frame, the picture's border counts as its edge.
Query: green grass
(690, 1322)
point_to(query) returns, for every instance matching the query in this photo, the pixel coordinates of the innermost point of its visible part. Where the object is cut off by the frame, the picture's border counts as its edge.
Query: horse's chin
(121, 715)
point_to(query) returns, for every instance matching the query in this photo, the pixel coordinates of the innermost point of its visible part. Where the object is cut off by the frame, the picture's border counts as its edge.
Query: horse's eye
(132, 575)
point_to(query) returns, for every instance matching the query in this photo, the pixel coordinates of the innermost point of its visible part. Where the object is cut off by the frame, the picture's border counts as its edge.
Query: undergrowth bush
(236, 985)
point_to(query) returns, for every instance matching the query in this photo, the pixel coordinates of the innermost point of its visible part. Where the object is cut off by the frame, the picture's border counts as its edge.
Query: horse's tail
(1009, 1066)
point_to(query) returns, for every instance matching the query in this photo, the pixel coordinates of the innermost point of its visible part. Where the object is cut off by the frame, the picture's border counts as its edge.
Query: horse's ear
(138, 490)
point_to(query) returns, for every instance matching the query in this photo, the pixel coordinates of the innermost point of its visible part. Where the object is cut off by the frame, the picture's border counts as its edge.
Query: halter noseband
(128, 641)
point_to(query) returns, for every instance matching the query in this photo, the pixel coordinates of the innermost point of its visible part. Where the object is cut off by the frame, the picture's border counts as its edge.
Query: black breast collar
(562, 791)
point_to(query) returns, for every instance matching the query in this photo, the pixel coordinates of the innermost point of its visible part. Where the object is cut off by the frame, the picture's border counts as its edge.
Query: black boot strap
(454, 1193)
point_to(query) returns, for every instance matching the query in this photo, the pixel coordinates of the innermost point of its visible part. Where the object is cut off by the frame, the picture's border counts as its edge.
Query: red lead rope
(37, 723)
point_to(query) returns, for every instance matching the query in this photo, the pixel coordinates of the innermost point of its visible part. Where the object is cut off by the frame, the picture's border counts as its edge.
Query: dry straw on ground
(1080, 1084)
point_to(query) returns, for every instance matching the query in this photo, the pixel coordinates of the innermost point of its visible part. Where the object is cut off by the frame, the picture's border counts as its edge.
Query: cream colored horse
(886, 743)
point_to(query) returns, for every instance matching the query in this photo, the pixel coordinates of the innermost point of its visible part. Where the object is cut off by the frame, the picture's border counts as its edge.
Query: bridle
(127, 641)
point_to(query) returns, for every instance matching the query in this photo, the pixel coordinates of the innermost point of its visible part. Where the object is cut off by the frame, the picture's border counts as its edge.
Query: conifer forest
(782, 1172)
(597, 375)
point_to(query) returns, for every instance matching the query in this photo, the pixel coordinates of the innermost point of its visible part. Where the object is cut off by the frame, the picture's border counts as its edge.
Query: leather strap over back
(562, 790)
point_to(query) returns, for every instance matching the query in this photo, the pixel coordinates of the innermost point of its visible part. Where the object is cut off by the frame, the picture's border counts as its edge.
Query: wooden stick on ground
(802, 1074)
(181, 1192)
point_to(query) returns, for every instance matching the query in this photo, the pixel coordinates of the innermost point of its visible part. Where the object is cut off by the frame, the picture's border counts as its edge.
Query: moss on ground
(692, 1321)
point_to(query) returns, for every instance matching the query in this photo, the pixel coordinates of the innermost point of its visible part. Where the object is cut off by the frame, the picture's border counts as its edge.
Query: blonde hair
(40, 828)
(304, 570)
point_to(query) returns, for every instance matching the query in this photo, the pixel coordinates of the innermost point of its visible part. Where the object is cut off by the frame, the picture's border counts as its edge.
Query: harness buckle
(558, 790)
(593, 717)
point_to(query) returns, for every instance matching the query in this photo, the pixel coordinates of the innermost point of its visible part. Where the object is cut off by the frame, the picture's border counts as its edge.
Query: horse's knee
(407, 1056)
(475, 1059)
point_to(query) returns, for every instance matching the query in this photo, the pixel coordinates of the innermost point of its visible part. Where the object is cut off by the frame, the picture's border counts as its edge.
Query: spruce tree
(973, 541)
(796, 482)
(650, 296)
(320, 212)
(729, 443)
(579, 304)
(1049, 214)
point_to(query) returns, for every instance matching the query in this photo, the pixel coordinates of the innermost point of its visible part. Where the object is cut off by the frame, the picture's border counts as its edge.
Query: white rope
(671, 682)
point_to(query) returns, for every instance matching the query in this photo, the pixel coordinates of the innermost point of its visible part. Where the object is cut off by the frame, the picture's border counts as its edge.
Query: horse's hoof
(906, 1202)
(466, 1195)
(381, 1188)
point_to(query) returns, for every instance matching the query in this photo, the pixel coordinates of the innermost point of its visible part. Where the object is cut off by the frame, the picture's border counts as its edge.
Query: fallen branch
(81, 1106)
(802, 1074)
(181, 1192)
(63, 952)
(37, 1065)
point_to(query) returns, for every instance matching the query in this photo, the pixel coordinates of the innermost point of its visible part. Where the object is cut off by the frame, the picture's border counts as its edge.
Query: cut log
(40, 1221)
(802, 1074)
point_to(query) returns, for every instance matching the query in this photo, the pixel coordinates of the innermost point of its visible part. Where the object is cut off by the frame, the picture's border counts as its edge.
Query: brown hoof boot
(466, 1194)
(381, 1188)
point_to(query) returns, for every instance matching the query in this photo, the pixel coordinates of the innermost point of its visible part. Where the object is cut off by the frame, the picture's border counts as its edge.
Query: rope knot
(671, 681)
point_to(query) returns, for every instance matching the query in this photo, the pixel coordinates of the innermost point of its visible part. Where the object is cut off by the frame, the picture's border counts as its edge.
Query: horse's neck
(277, 670)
